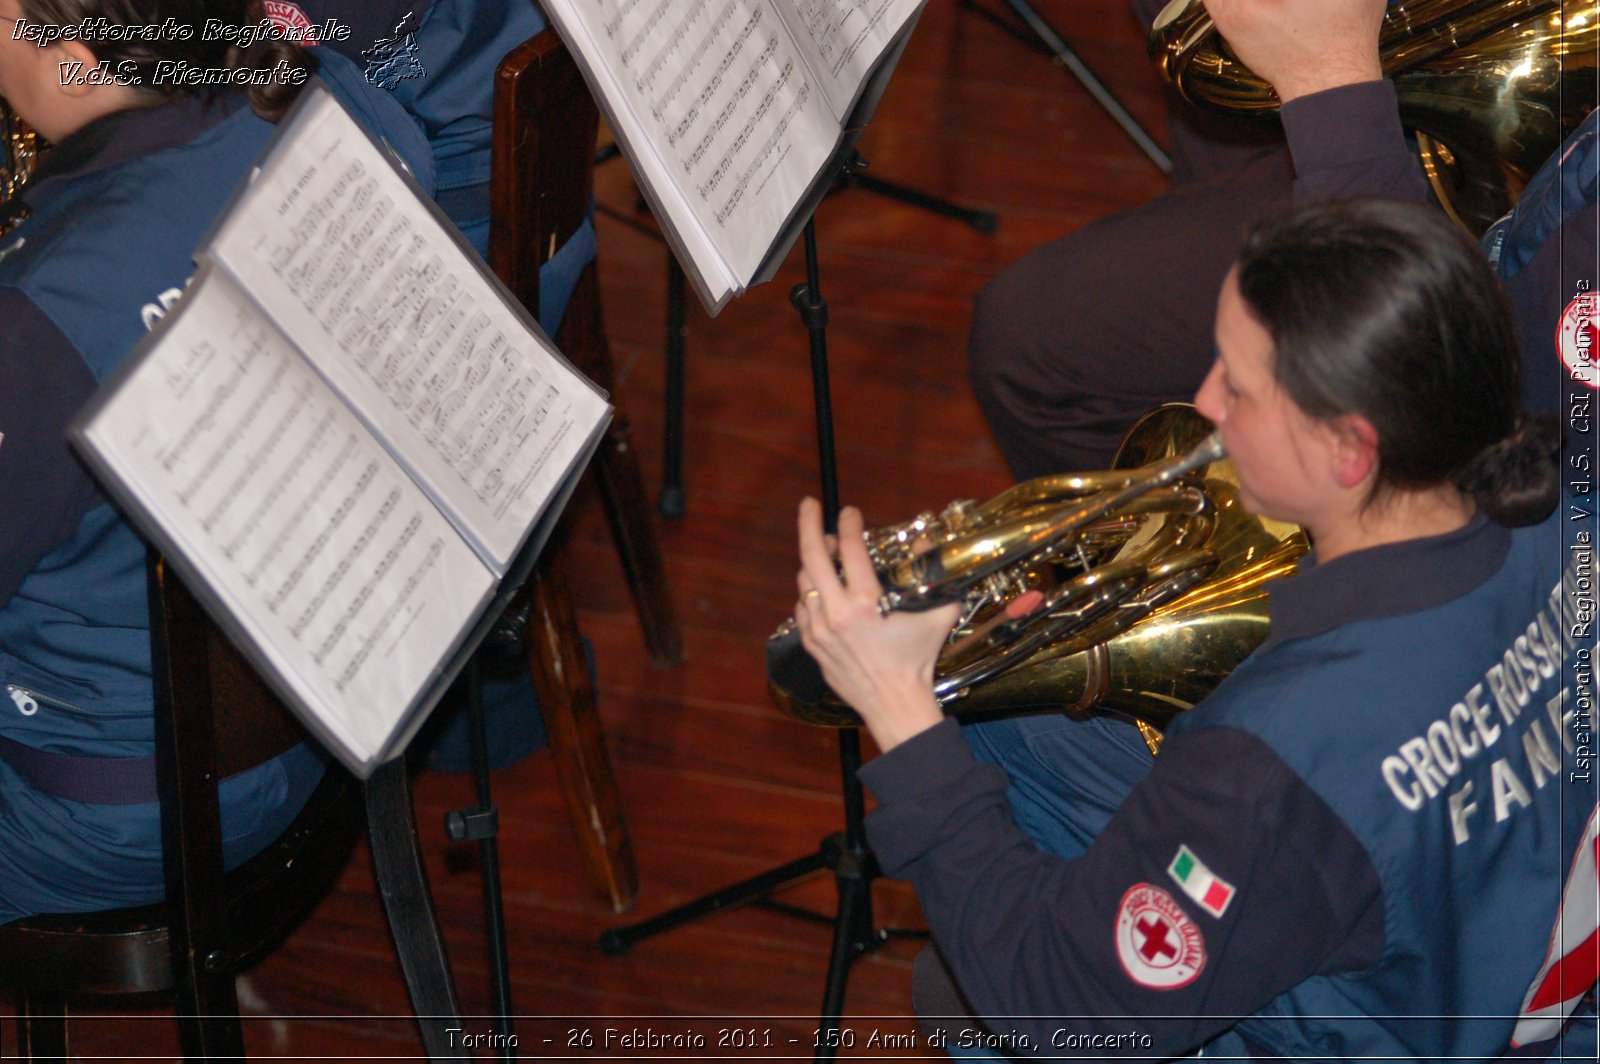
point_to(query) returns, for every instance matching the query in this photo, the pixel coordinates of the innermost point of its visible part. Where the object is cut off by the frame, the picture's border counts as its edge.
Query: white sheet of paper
(363, 277)
(843, 40)
(721, 106)
(336, 564)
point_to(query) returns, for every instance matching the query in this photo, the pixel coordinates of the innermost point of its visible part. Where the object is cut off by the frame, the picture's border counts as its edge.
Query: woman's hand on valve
(881, 664)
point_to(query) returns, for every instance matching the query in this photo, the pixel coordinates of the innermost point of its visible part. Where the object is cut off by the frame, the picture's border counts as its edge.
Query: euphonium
(1133, 591)
(19, 147)
(1489, 87)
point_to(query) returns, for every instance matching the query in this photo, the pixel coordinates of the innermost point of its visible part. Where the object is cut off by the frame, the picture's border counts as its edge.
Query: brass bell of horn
(1133, 591)
(1488, 87)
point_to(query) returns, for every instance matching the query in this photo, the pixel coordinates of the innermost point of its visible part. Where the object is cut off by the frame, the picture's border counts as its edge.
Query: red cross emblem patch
(1157, 943)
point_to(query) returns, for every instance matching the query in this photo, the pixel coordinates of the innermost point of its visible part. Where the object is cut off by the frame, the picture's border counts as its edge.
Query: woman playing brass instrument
(1359, 842)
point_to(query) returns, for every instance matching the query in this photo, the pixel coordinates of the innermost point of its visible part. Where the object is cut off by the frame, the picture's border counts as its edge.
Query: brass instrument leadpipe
(942, 573)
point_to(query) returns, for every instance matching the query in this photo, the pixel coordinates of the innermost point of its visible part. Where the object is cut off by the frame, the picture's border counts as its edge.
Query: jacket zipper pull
(27, 705)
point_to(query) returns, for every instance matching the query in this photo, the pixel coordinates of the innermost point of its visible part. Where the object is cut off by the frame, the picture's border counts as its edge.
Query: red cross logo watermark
(1576, 335)
(1157, 943)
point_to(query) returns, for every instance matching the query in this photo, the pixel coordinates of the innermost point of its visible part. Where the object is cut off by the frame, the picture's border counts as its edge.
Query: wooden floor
(717, 785)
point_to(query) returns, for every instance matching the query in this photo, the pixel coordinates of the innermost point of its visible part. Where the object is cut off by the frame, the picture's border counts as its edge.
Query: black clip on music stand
(845, 853)
(1047, 40)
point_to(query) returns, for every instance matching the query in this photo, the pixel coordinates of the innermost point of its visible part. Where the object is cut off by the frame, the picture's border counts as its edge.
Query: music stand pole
(845, 853)
(482, 824)
(853, 865)
(807, 299)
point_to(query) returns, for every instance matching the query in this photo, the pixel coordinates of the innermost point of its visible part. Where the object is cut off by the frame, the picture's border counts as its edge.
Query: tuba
(1133, 591)
(1488, 87)
(21, 150)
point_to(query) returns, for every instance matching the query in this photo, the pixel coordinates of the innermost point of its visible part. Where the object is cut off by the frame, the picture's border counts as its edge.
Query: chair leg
(628, 512)
(567, 699)
(403, 884)
(41, 1026)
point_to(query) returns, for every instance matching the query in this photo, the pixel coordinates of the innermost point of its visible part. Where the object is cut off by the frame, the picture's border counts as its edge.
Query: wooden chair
(214, 717)
(546, 124)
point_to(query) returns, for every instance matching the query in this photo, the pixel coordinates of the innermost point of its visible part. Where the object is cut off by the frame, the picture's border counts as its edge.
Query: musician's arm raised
(1303, 46)
(1340, 114)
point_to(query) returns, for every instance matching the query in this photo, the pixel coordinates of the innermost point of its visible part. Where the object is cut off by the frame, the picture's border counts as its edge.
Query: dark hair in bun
(1388, 310)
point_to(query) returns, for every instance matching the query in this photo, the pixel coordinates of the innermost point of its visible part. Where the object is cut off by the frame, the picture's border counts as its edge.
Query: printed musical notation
(730, 105)
(344, 434)
(412, 329)
(298, 517)
(844, 35)
(430, 353)
(730, 110)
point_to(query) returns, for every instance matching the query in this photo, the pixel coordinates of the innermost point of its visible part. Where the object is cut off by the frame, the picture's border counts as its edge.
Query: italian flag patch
(1209, 891)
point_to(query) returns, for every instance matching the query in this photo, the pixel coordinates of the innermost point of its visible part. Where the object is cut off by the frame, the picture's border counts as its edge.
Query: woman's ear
(1355, 449)
(77, 73)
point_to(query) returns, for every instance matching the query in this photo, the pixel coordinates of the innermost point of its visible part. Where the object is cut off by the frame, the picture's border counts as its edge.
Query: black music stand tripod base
(853, 874)
(845, 853)
(985, 222)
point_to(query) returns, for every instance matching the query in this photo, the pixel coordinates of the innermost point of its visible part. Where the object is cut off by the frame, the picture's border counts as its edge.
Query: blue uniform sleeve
(43, 489)
(1221, 882)
(1554, 297)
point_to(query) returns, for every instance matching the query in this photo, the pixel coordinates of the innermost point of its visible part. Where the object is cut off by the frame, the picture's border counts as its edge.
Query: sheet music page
(363, 277)
(844, 39)
(338, 567)
(724, 101)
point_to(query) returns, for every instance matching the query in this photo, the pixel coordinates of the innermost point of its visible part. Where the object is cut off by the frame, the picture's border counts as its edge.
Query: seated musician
(1074, 341)
(1359, 842)
(143, 162)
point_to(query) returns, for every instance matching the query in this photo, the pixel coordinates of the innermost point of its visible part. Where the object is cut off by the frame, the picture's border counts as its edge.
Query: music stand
(1048, 41)
(845, 853)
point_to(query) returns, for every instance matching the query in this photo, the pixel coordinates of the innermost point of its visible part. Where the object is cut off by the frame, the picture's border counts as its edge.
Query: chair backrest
(214, 717)
(545, 126)
(221, 923)
(544, 168)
